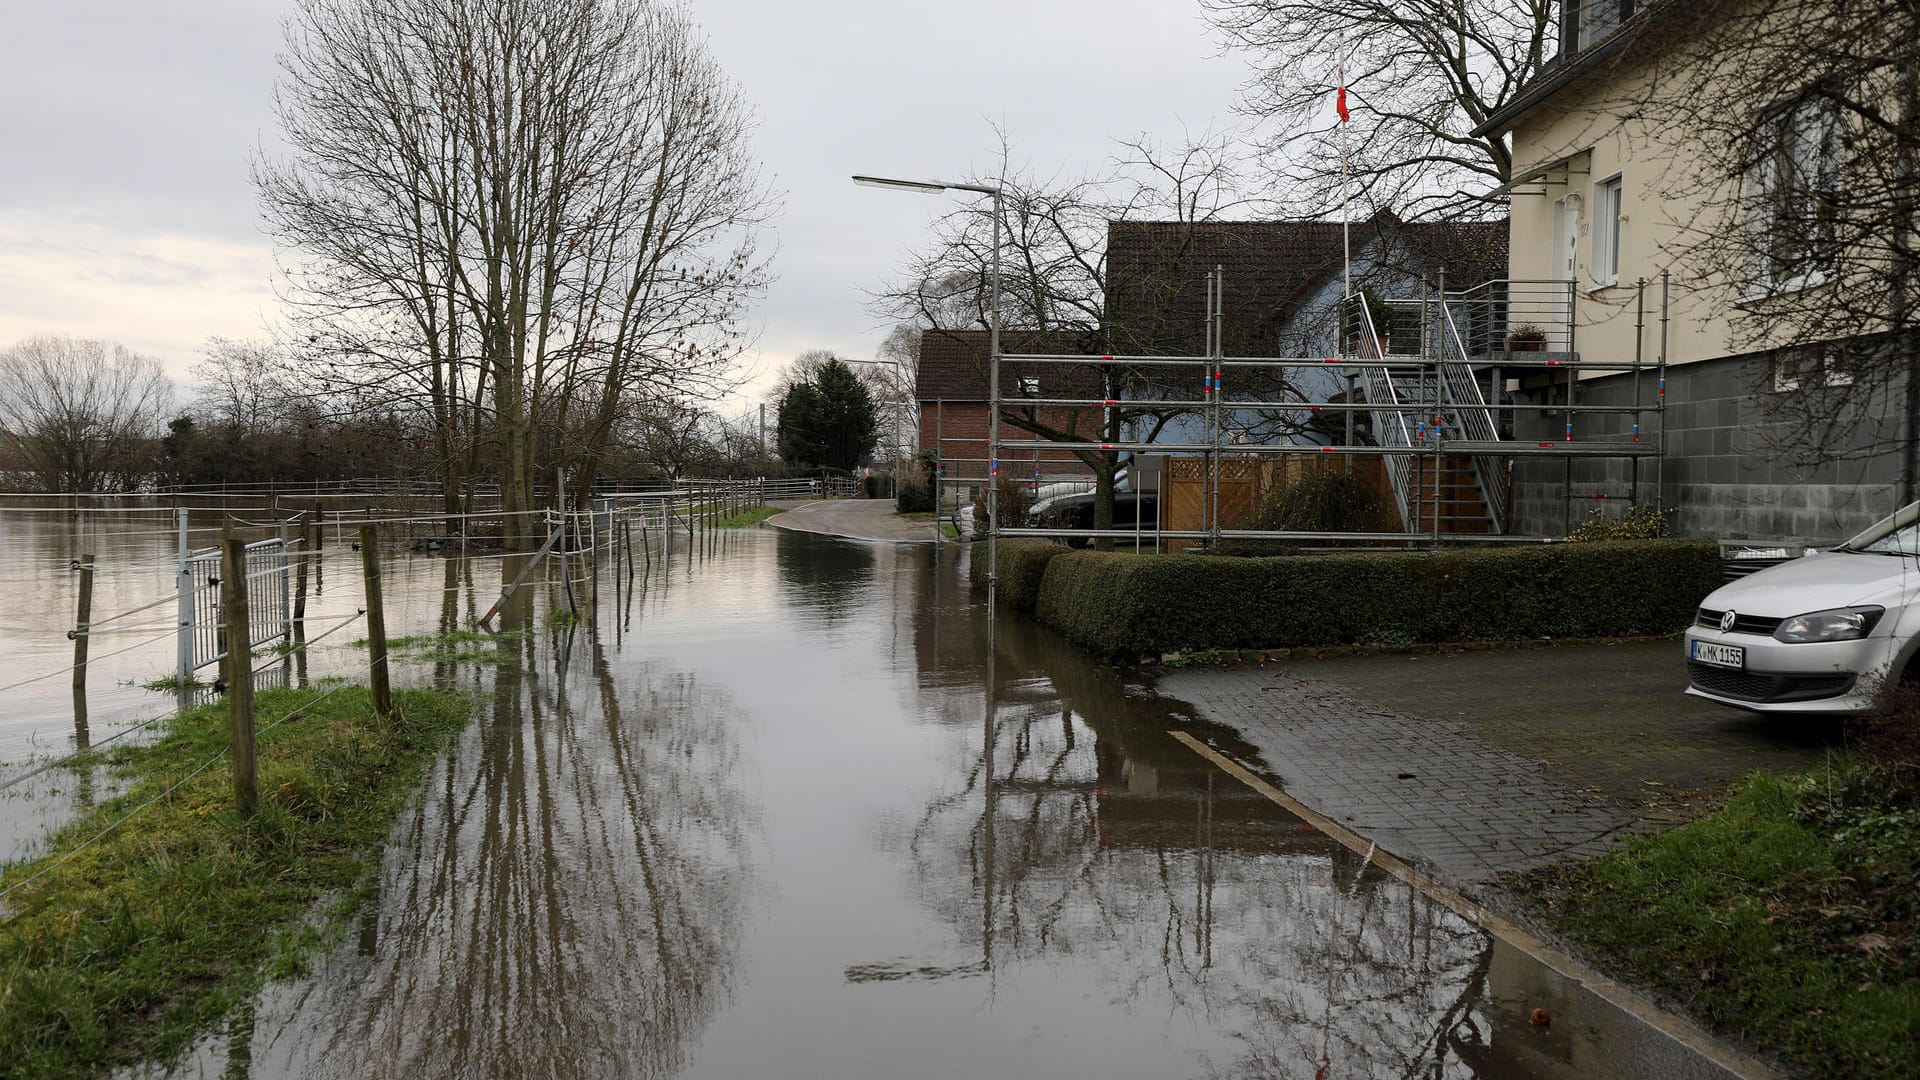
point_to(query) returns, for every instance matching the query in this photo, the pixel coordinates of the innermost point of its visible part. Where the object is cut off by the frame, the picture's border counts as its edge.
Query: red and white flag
(1340, 97)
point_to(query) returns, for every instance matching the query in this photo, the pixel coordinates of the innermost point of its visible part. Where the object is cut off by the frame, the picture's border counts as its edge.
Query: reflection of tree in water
(567, 901)
(1096, 837)
(832, 577)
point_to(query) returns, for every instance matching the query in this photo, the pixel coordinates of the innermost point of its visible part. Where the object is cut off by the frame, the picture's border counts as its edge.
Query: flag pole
(1346, 212)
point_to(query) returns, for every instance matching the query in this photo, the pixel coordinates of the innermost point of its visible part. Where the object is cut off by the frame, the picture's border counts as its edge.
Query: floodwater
(780, 810)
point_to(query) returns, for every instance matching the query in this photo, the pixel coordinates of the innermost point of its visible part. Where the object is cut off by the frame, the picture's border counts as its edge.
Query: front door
(1566, 233)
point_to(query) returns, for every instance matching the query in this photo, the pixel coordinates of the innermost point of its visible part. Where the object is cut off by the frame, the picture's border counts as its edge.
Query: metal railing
(203, 633)
(1517, 320)
(1472, 417)
(1388, 414)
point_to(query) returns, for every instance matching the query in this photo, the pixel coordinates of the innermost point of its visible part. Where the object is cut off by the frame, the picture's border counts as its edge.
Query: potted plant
(1379, 314)
(1527, 338)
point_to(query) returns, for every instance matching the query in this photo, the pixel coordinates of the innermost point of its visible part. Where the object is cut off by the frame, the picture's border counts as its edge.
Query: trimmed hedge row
(1022, 564)
(1128, 605)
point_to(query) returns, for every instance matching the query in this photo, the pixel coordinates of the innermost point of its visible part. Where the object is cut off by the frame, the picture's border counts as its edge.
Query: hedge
(1022, 563)
(1129, 605)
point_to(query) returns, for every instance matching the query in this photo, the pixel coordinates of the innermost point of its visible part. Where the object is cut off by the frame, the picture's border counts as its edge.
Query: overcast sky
(125, 210)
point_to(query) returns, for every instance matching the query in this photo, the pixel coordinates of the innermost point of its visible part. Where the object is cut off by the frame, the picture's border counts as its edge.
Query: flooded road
(781, 811)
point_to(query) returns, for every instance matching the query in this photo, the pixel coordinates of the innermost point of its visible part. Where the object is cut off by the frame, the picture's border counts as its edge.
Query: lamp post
(930, 187)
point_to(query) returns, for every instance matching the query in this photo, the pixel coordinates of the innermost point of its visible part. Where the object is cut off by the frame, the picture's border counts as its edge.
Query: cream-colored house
(1632, 239)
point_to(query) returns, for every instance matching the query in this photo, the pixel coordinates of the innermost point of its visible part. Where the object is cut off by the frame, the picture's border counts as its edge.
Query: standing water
(780, 811)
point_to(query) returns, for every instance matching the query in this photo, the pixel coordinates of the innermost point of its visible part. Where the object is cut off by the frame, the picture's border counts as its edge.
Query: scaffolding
(1446, 400)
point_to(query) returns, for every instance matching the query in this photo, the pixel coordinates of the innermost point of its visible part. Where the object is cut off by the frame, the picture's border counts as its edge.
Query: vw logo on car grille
(1726, 620)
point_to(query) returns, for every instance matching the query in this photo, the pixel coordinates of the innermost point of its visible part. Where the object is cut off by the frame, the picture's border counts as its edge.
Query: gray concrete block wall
(1723, 468)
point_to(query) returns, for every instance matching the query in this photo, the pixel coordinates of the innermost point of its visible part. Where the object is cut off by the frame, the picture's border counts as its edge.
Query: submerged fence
(202, 636)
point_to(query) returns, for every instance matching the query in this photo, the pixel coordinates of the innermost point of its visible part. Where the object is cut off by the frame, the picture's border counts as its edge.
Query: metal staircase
(1424, 403)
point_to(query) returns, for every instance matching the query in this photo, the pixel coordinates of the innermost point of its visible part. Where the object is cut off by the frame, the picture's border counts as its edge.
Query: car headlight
(1840, 624)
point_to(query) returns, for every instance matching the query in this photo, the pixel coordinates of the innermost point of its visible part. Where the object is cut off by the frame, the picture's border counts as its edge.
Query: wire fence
(619, 529)
(599, 534)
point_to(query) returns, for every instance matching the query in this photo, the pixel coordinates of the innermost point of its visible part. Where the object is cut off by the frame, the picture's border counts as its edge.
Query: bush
(1638, 523)
(1022, 565)
(876, 486)
(1128, 605)
(915, 494)
(1890, 734)
(1015, 498)
(1334, 501)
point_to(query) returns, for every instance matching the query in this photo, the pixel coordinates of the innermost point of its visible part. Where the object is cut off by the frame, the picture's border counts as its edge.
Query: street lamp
(935, 187)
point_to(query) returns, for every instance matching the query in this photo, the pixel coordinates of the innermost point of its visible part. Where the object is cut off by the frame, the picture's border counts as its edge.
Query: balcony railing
(1511, 319)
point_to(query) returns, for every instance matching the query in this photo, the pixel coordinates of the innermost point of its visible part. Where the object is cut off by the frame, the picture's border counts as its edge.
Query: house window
(1809, 367)
(1791, 188)
(1606, 231)
(1594, 21)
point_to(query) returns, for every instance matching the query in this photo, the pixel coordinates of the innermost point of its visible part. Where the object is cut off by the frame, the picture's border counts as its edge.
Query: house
(1611, 194)
(1281, 285)
(951, 394)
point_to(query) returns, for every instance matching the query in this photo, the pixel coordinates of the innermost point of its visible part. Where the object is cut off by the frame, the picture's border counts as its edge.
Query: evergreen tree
(829, 420)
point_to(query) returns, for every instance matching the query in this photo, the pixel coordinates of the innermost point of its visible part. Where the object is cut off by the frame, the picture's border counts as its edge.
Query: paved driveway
(1473, 764)
(857, 519)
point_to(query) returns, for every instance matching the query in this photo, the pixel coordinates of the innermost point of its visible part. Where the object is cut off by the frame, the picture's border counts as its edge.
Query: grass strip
(134, 946)
(1789, 918)
(753, 515)
(454, 646)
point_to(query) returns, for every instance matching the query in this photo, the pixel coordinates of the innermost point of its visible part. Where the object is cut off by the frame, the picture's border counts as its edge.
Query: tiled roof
(1156, 295)
(1156, 273)
(1470, 252)
(953, 363)
(1156, 280)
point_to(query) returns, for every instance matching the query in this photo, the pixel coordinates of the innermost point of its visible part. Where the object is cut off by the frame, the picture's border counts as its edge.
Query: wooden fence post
(82, 631)
(376, 621)
(239, 665)
(307, 533)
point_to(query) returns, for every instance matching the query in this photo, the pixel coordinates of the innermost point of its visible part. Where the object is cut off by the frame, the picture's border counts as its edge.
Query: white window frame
(1609, 202)
(1780, 146)
(1829, 370)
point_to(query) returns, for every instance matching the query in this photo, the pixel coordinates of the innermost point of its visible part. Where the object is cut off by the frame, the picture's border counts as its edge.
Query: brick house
(951, 392)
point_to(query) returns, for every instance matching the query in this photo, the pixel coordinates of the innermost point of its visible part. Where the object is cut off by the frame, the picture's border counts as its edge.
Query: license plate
(1729, 656)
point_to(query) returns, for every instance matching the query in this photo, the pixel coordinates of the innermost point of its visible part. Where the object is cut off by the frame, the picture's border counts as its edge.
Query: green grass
(456, 646)
(947, 528)
(1789, 918)
(750, 516)
(168, 684)
(143, 939)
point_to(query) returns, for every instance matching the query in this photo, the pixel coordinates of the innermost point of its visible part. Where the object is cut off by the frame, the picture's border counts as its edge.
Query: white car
(1819, 634)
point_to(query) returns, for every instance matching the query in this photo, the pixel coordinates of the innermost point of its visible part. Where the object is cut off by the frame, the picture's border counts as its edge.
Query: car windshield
(1895, 535)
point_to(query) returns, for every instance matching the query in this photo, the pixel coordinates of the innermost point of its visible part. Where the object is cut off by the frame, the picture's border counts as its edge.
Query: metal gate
(203, 635)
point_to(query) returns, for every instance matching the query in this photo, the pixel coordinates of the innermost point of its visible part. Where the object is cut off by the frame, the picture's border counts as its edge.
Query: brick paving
(1480, 764)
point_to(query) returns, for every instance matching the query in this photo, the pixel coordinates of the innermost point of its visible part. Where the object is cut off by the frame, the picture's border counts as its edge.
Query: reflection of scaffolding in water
(1440, 418)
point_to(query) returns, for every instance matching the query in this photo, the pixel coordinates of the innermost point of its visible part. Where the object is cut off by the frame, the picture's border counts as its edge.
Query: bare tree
(1801, 120)
(521, 215)
(895, 388)
(1055, 277)
(1421, 75)
(677, 437)
(241, 383)
(81, 415)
